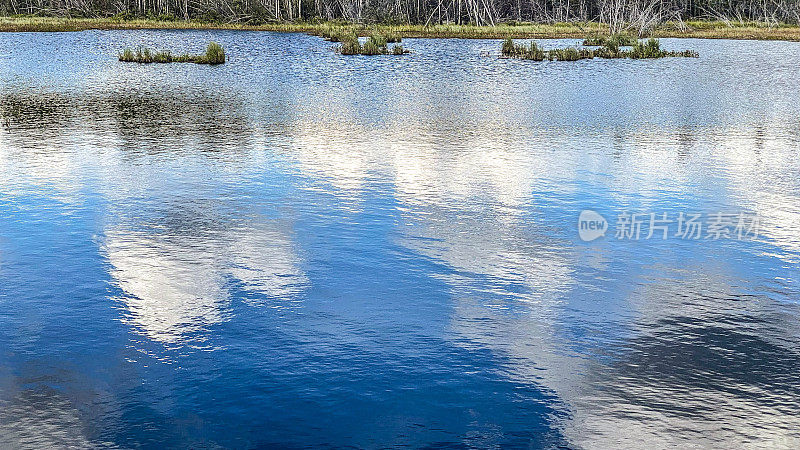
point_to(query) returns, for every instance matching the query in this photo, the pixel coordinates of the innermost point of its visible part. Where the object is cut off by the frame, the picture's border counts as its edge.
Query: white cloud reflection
(178, 286)
(174, 286)
(471, 204)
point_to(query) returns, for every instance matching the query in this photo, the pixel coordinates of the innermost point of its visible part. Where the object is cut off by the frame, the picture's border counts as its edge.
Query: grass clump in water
(611, 49)
(522, 51)
(570, 54)
(652, 49)
(375, 44)
(350, 44)
(214, 54)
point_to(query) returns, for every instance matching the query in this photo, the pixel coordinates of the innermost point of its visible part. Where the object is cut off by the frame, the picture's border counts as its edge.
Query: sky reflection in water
(301, 249)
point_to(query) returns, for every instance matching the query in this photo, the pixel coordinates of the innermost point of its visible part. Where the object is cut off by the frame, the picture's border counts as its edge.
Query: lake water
(299, 249)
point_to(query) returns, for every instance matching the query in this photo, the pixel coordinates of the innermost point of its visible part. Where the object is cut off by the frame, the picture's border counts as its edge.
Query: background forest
(640, 14)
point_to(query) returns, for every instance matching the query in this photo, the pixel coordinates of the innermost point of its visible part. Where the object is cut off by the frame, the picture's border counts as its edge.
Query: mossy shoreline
(691, 29)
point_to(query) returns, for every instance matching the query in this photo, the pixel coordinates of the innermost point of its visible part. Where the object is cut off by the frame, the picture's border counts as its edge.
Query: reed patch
(376, 44)
(610, 49)
(214, 54)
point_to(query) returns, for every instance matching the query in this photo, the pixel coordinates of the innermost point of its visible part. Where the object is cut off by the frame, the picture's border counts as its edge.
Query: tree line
(637, 13)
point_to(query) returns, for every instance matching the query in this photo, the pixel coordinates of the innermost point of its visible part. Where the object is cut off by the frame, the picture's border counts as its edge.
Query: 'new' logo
(591, 225)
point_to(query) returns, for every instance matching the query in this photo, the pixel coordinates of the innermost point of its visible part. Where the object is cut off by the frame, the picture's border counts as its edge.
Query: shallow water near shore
(299, 248)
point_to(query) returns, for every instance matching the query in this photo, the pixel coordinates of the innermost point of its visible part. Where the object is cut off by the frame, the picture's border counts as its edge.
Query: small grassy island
(214, 54)
(608, 48)
(376, 43)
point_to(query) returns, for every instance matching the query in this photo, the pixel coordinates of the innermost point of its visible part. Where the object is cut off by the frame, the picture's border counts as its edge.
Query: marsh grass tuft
(610, 50)
(652, 49)
(376, 44)
(533, 52)
(214, 54)
(350, 47)
(570, 54)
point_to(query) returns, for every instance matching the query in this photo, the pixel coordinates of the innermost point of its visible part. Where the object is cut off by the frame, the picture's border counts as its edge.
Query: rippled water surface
(302, 249)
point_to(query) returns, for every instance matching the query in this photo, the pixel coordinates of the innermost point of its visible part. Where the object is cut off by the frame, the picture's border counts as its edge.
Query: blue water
(301, 249)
